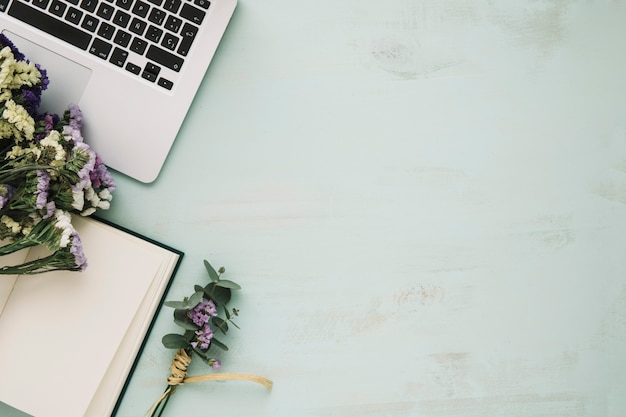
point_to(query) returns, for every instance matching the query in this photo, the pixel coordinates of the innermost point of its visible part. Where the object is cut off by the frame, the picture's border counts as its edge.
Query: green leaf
(220, 324)
(228, 284)
(181, 318)
(221, 295)
(195, 299)
(189, 335)
(212, 273)
(174, 341)
(219, 344)
(227, 314)
(197, 288)
(177, 304)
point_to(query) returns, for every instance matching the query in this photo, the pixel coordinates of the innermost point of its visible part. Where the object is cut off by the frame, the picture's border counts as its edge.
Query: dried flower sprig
(47, 171)
(199, 316)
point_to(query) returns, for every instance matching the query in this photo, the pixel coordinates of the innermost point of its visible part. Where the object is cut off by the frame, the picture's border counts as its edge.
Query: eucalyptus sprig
(201, 315)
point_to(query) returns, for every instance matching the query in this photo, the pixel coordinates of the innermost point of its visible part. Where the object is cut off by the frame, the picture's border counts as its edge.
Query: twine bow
(178, 376)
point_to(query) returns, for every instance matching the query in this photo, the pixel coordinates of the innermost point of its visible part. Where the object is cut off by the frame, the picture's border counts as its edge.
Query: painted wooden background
(425, 204)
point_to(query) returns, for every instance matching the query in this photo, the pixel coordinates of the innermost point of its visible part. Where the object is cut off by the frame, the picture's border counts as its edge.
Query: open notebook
(68, 340)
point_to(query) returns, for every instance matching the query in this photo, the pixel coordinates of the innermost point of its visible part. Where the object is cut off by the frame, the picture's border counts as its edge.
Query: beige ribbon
(178, 376)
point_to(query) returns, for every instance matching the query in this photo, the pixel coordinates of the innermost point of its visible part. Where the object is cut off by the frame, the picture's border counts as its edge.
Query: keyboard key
(154, 34)
(157, 16)
(151, 72)
(49, 24)
(118, 57)
(137, 26)
(138, 46)
(141, 9)
(124, 4)
(105, 11)
(172, 6)
(121, 19)
(173, 24)
(42, 4)
(165, 83)
(165, 58)
(74, 2)
(90, 23)
(122, 38)
(57, 8)
(73, 15)
(106, 30)
(188, 35)
(4, 5)
(202, 3)
(193, 14)
(135, 69)
(89, 5)
(170, 41)
(156, 2)
(100, 48)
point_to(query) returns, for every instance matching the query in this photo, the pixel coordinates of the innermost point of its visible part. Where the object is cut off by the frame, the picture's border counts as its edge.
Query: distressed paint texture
(425, 203)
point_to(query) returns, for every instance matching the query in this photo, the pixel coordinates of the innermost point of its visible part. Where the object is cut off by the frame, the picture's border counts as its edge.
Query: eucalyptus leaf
(220, 295)
(189, 335)
(174, 341)
(228, 284)
(197, 288)
(219, 344)
(220, 324)
(177, 304)
(181, 318)
(195, 299)
(212, 273)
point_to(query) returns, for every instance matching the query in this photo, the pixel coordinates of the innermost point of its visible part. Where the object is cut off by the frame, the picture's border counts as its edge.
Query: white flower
(78, 198)
(25, 73)
(104, 205)
(64, 224)
(7, 67)
(88, 212)
(11, 224)
(52, 140)
(105, 194)
(18, 116)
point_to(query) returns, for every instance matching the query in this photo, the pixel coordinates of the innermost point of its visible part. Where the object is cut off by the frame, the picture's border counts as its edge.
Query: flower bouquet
(199, 316)
(47, 172)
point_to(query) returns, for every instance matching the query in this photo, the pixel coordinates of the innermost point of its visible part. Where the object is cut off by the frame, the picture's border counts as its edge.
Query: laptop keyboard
(142, 36)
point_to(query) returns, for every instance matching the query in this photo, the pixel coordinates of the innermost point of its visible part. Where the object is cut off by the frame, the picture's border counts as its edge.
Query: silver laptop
(133, 67)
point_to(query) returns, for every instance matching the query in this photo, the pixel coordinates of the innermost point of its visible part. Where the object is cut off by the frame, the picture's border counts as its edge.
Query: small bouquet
(199, 316)
(47, 171)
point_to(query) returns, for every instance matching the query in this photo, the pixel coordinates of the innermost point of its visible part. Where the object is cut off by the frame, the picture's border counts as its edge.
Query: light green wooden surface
(424, 202)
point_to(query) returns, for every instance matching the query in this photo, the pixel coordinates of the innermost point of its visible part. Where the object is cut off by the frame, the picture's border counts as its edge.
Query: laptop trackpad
(68, 79)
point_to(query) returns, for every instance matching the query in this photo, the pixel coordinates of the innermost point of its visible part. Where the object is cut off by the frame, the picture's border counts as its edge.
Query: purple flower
(85, 172)
(198, 318)
(215, 364)
(76, 249)
(50, 209)
(76, 117)
(6, 192)
(201, 313)
(204, 336)
(43, 183)
(31, 102)
(4, 41)
(100, 176)
(44, 78)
